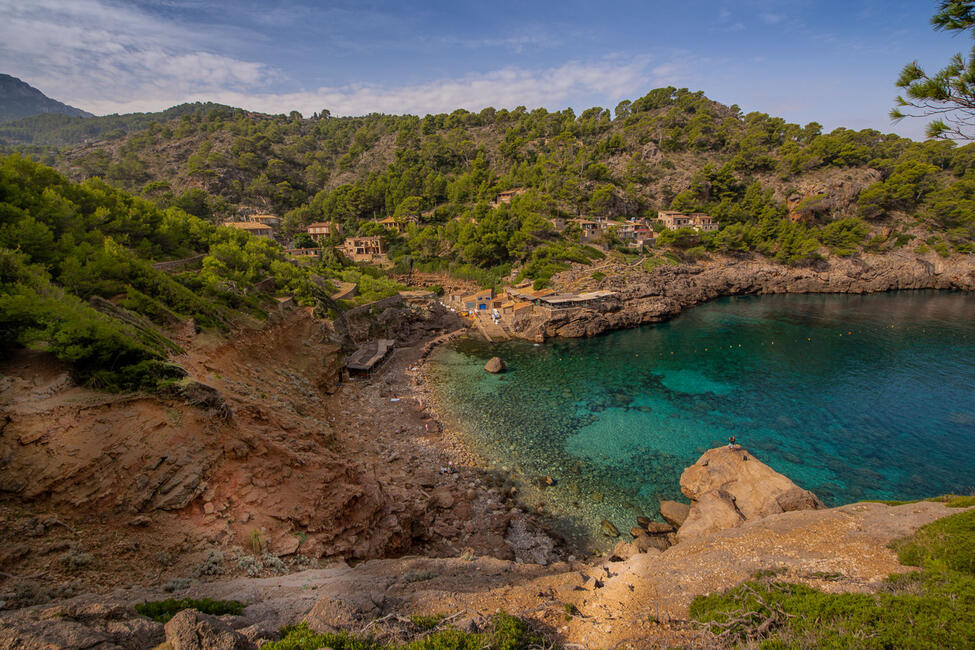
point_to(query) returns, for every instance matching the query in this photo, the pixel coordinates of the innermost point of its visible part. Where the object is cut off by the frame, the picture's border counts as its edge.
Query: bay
(853, 397)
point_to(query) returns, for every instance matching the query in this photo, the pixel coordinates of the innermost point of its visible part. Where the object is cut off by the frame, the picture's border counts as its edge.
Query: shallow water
(853, 397)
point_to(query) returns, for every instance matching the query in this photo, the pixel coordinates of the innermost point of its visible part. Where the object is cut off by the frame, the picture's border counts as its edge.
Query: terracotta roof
(246, 225)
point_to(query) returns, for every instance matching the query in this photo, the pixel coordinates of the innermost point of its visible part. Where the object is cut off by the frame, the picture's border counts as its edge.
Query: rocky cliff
(667, 291)
(641, 601)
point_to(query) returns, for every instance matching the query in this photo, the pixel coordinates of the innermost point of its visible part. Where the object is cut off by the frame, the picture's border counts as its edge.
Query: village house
(589, 228)
(364, 249)
(480, 301)
(303, 254)
(507, 195)
(516, 310)
(256, 229)
(697, 220)
(323, 230)
(396, 225)
(703, 222)
(674, 220)
(266, 219)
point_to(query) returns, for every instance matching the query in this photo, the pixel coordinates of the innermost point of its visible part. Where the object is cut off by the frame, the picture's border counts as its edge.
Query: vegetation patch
(930, 608)
(163, 610)
(505, 632)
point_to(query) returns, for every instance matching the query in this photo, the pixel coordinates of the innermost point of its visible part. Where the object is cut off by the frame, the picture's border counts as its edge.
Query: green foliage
(844, 236)
(946, 544)
(163, 610)
(950, 93)
(504, 633)
(932, 608)
(78, 275)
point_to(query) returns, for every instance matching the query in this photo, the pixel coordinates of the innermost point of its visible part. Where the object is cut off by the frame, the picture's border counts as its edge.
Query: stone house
(364, 249)
(256, 229)
(323, 230)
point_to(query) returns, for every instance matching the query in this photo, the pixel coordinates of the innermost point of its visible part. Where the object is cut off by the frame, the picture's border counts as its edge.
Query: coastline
(644, 298)
(530, 495)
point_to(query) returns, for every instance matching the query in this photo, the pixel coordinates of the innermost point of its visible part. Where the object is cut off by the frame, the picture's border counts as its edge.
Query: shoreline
(461, 440)
(659, 296)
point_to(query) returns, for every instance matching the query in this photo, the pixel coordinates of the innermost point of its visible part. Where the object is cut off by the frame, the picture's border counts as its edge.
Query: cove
(852, 397)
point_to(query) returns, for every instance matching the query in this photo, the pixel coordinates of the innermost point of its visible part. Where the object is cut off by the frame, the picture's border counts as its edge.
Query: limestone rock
(728, 486)
(330, 615)
(192, 630)
(658, 528)
(495, 365)
(625, 550)
(674, 512)
(645, 542)
(715, 510)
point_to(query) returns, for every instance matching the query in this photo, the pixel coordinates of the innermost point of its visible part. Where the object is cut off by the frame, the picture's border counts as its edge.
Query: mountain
(19, 99)
(57, 130)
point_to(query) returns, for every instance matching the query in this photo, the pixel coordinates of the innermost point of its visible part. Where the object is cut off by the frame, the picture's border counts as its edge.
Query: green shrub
(932, 608)
(947, 543)
(505, 632)
(163, 610)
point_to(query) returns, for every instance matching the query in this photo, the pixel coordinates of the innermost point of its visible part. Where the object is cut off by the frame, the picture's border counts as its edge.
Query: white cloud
(106, 57)
(119, 52)
(506, 88)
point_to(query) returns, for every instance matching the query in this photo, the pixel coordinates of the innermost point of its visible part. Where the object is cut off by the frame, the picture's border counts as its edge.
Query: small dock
(368, 356)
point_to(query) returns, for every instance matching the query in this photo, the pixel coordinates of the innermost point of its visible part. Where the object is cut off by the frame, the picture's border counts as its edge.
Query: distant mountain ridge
(19, 99)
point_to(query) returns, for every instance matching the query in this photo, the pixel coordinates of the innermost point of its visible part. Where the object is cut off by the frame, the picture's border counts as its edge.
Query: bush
(932, 608)
(506, 632)
(163, 610)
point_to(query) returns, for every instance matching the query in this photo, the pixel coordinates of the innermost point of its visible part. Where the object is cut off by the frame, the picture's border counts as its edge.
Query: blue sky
(834, 62)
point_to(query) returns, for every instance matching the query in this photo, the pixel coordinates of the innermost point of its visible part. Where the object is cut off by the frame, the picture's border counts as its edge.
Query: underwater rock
(643, 522)
(495, 365)
(674, 512)
(609, 529)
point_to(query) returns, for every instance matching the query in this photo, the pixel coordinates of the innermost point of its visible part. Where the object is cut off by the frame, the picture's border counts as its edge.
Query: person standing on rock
(731, 442)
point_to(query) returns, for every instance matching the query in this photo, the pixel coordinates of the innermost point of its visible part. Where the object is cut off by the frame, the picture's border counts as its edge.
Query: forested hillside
(43, 135)
(76, 259)
(671, 149)
(77, 276)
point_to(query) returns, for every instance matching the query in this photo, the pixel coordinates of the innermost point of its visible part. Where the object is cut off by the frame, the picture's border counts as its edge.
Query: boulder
(495, 365)
(331, 615)
(674, 512)
(658, 528)
(609, 529)
(192, 630)
(624, 550)
(728, 486)
(646, 543)
(714, 511)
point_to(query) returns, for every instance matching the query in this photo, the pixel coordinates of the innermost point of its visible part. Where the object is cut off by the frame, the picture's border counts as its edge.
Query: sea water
(853, 397)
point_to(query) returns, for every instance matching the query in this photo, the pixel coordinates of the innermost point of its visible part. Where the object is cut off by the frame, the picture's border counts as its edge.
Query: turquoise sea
(853, 397)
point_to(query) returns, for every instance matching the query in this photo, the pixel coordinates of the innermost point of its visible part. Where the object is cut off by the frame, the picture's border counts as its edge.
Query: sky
(829, 61)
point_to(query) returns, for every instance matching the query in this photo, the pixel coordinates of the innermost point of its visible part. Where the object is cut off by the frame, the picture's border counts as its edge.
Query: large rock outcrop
(728, 486)
(667, 291)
